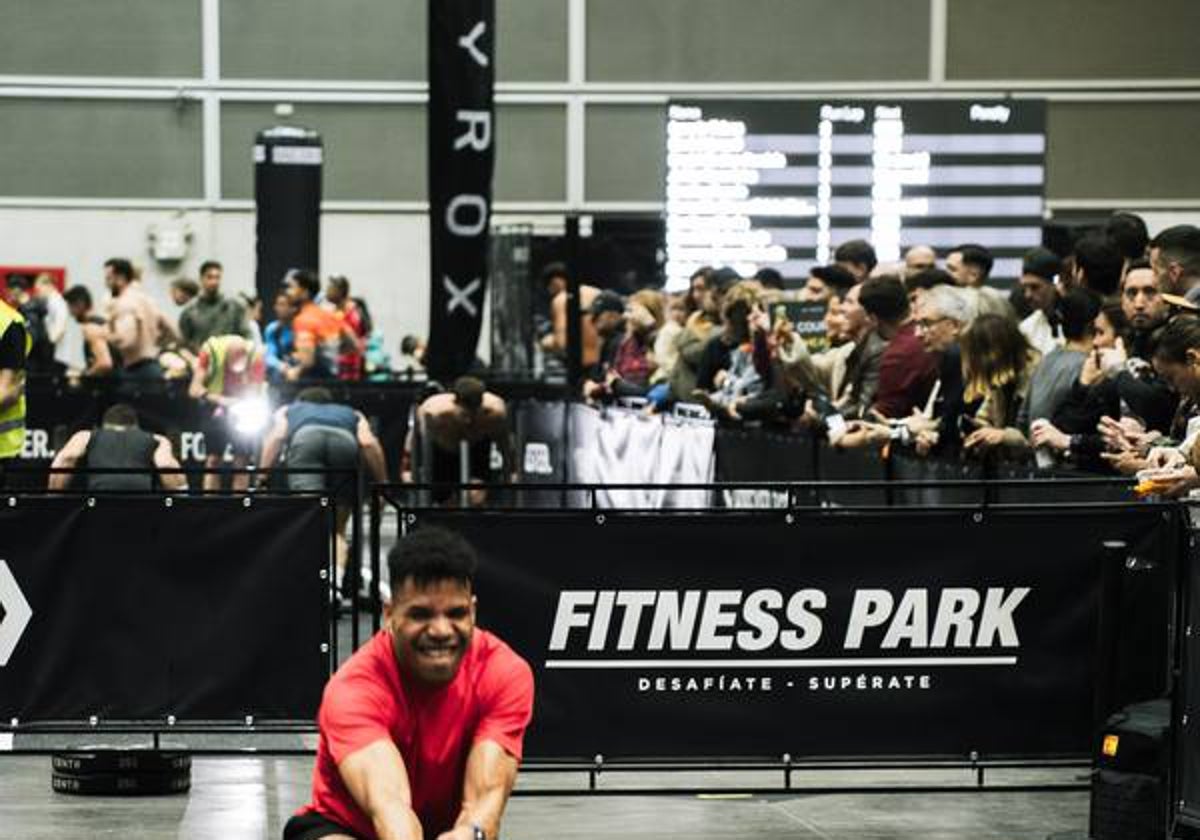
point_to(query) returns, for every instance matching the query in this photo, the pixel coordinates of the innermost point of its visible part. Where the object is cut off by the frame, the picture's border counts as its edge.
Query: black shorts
(313, 826)
(219, 434)
(446, 467)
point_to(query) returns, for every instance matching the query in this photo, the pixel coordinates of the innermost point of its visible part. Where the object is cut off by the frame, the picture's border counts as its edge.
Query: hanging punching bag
(287, 198)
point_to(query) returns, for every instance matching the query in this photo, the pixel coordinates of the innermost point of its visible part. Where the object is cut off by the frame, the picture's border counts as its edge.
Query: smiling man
(421, 730)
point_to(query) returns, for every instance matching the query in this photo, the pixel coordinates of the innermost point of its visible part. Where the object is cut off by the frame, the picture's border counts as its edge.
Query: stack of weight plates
(115, 771)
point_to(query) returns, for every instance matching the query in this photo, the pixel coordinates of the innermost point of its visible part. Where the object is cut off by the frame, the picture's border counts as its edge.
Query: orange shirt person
(318, 332)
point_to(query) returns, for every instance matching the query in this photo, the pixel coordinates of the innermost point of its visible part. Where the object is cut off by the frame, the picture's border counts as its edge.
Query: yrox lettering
(772, 620)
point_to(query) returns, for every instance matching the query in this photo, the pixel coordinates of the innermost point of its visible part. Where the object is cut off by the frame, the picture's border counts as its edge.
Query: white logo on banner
(537, 459)
(304, 155)
(461, 297)
(17, 613)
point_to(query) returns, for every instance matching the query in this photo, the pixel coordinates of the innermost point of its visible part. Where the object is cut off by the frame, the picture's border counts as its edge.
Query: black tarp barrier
(821, 634)
(143, 608)
(745, 455)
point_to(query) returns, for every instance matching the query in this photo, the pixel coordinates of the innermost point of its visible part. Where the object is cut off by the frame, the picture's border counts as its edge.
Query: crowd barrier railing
(596, 599)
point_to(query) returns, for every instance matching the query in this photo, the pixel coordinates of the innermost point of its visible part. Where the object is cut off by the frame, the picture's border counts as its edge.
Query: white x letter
(461, 297)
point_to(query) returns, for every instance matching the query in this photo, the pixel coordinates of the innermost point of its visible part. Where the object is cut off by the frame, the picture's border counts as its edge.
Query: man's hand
(1126, 434)
(925, 442)
(1046, 434)
(1127, 462)
(860, 433)
(988, 437)
(1166, 458)
(463, 832)
(917, 423)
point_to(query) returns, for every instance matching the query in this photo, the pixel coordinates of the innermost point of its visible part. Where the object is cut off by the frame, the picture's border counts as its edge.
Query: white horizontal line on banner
(881, 662)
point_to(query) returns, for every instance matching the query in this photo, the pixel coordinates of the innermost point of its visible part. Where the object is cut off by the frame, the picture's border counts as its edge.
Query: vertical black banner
(287, 200)
(461, 153)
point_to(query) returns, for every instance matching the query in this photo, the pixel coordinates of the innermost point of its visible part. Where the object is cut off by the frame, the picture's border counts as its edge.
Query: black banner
(927, 634)
(287, 202)
(461, 153)
(133, 610)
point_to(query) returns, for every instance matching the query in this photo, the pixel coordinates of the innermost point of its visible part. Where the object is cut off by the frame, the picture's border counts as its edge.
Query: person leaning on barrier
(1173, 467)
(943, 312)
(15, 343)
(119, 444)
(702, 324)
(467, 414)
(327, 440)
(422, 729)
(998, 364)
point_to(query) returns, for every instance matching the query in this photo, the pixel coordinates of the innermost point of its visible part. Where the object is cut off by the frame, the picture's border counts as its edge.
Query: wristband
(477, 832)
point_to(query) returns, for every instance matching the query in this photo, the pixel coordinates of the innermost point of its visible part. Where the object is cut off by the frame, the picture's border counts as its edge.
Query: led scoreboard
(781, 183)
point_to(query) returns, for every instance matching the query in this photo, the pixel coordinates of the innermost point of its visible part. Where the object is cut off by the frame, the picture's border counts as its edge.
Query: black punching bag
(287, 198)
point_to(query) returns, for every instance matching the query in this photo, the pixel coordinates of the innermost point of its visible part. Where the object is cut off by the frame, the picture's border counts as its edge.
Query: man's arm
(558, 318)
(372, 450)
(164, 459)
(66, 459)
(123, 329)
(102, 362)
(491, 774)
(197, 389)
(378, 781)
(273, 443)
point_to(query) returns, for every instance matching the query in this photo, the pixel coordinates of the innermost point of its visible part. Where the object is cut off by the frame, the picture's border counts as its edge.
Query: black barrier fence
(149, 613)
(826, 635)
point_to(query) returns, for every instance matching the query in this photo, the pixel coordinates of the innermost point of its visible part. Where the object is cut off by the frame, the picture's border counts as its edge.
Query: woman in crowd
(998, 364)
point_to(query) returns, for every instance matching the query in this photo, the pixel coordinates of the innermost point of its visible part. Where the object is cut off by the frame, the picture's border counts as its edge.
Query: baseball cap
(1042, 262)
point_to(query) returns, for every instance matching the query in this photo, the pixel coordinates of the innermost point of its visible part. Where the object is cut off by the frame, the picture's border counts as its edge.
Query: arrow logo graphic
(17, 613)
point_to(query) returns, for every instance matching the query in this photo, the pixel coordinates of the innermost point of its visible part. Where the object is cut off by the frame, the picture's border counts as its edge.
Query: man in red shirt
(907, 370)
(421, 730)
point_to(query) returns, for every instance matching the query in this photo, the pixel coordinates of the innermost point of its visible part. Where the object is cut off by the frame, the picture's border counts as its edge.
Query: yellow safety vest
(12, 419)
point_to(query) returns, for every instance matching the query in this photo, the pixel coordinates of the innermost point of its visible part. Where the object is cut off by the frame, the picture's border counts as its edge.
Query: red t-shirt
(906, 374)
(490, 699)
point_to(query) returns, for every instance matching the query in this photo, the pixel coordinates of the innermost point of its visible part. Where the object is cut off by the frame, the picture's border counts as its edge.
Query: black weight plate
(122, 784)
(127, 761)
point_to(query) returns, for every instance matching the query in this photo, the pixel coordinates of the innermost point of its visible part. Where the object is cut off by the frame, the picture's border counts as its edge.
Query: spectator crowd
(1091, 361)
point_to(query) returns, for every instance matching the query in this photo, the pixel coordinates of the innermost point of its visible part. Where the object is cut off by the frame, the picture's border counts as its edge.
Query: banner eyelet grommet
(12, 501)
(246, 502)
(599, 518)
(91, 501)
(977, 517)
(170, 720)
(168, 502)
(324, 501)
(789, 519)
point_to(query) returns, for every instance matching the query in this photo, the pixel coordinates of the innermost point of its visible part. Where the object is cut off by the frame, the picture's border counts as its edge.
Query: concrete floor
(235, 797)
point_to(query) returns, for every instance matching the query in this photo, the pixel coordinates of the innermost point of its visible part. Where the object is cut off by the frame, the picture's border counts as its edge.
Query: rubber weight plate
(122, 784)
(94, 760)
